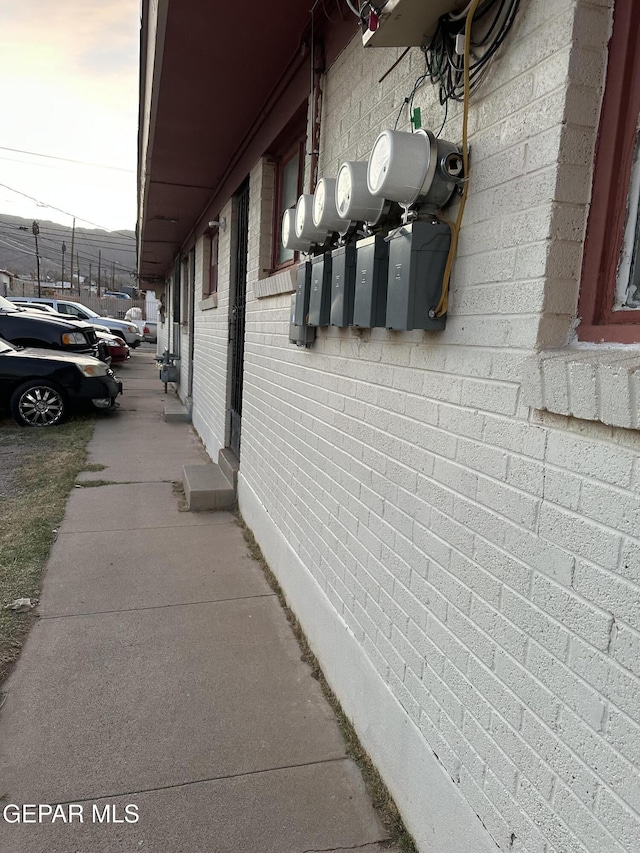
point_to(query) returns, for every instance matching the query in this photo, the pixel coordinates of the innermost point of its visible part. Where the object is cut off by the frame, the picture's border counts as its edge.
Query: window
(610, 293)
(210, 271)
(71, 309)
(287, 152)
(288, 182)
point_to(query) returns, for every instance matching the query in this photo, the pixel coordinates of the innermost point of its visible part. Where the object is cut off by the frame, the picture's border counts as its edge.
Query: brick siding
(483, 555)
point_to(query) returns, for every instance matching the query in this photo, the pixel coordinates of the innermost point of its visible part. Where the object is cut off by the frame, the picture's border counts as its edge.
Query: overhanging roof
(222, 69)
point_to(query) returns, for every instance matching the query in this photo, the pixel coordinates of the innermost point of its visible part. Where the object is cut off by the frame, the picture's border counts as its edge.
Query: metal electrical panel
(302, 336)
(343, 263)
(320, 298)
(372, 268)
(417, 260)
(407, 22)
(303, 291)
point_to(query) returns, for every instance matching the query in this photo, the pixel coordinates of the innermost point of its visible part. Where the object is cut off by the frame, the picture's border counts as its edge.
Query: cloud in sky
(69, 76)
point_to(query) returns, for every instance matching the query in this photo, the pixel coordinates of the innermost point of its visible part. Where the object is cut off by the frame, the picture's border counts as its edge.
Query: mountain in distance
(114, 251)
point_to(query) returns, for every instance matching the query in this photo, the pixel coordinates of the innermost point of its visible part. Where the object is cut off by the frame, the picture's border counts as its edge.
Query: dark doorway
(177, 303)
(236, 321)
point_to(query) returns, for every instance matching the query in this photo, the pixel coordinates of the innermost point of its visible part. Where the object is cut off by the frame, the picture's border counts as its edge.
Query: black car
(40, 386)
(28, 328)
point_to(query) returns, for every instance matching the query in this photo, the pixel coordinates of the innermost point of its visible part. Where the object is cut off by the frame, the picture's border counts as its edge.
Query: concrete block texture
(586, 383)
(207, 488)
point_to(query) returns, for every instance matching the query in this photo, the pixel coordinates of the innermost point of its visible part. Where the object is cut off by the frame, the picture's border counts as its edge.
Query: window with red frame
(287, 153)
(609, 305)
(210, 276)
(288, 187)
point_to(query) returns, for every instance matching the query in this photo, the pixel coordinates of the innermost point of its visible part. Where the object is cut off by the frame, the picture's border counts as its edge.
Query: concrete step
(175, 412)
(229, 464)
(207, 488)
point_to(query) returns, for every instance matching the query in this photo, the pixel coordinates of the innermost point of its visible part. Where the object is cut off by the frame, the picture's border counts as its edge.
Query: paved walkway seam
(206, 781)
(157, 607)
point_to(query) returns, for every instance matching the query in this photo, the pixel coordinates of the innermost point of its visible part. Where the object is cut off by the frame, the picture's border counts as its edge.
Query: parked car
(116, 294)
(126, 330)
(108, 344)
(150, 331)
(34, 306)
(117, 349)
(40, 387)
(26, 328)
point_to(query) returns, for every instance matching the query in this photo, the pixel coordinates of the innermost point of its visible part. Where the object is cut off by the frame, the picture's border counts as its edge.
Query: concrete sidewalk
(163, 675)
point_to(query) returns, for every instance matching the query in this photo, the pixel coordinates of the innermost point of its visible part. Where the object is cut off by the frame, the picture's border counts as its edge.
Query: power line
(67, 160)
(85, 258)
(91, 244)
(66, 213)
(57, 228)
(18, 248)
(114, 246)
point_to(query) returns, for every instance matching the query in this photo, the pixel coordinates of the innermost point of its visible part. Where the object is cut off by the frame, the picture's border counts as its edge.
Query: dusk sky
(69, 82)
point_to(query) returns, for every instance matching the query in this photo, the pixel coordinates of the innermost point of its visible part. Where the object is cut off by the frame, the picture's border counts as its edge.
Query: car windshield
(5, 346)
(88, 311)
(5, 305)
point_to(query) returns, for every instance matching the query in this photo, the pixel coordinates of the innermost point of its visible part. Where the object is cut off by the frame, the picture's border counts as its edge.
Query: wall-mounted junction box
(303, 291)
(417, 260)
(301, 335)
(320, 296)
(408, 22)
(372, 269)
(343, 264)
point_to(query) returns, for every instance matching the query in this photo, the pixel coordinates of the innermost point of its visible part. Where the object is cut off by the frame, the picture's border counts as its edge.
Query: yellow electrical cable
(443, 303)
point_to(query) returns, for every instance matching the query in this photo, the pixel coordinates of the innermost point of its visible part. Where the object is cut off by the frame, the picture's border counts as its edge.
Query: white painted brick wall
(211, 356)
(484, 556)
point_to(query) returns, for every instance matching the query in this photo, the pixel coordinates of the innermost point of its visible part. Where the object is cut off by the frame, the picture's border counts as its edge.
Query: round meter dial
(305, 227)
(379, 163)
(319, 198)
(343, 190)
(354, 201)
(325, 214)
(289, 238)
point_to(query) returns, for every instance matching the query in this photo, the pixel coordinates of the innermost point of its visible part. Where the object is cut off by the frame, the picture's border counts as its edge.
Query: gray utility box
(169, 373)
(301, 336)
(343, 264)
(320, 298)
(372, 270)
(417, 260)
(303, 291)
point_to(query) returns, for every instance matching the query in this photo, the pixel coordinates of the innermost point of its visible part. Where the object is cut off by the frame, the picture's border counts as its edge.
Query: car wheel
(38, 403)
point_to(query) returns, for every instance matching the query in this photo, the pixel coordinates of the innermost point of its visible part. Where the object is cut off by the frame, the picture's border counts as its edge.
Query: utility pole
(89, 278)
(64, 249)
(113, 275)
(99, 261)
(78, 264)
(73, 239)
(36, 230)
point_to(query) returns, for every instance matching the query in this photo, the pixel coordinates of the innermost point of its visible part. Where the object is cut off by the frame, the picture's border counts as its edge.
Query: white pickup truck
(147, 328)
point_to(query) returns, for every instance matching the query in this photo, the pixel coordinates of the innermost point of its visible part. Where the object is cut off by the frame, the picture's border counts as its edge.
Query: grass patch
(178, 490)
(381, 798)
(93, 484)
(94, 466)
(39, 470)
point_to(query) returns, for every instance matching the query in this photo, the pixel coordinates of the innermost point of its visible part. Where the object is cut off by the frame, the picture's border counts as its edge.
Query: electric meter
(305, 227)
(325, 215)
(414, 167)
(353, 200)
(289, 239)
